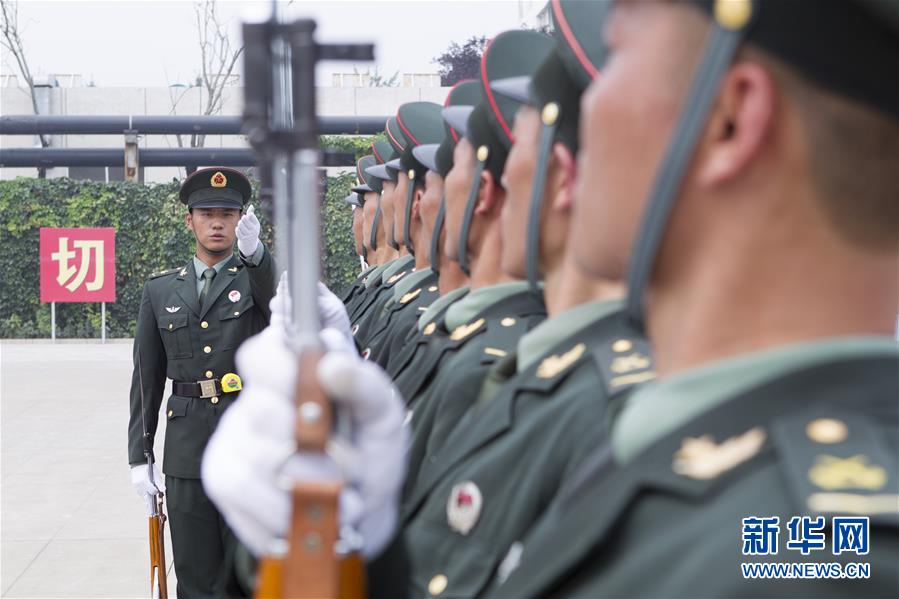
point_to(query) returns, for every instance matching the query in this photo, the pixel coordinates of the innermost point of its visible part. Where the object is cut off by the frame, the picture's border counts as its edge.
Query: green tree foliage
(150, 236)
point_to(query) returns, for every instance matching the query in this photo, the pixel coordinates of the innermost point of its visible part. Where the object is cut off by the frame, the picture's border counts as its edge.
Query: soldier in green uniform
(192, 320)
(350, 295)
(775, 415)
(421, 123)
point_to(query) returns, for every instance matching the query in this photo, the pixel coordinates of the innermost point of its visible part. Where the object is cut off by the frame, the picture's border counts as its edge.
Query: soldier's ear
(189, 220)
(561, 184)
(487, 194)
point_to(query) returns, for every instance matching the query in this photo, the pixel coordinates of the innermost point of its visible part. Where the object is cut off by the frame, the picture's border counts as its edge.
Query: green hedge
(150, 236)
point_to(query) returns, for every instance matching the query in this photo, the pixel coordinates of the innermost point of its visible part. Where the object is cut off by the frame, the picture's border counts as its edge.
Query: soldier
(355, 202)
(352, 293)
(192, 320)
(775, 413)
(421, 123)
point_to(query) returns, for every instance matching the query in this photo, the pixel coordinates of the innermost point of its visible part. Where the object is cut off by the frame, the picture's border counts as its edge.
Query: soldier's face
(430, 201)
(214, 228)
(456, 184)
(387, 206)
(518, 179)
(357, 230)
(399, 205)
(627, 116)
(368, 217)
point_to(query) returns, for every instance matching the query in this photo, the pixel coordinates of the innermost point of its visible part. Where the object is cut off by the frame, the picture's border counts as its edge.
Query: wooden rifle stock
(158, 580)
(312, 568)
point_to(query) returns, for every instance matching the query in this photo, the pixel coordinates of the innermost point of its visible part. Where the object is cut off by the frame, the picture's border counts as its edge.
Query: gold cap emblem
(218, 179)
(483, 153)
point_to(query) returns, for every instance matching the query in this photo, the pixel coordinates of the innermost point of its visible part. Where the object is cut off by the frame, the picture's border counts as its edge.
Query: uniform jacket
(178, 339)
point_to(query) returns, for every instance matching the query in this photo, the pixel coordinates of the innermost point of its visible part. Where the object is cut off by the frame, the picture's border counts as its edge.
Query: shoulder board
(622, 356)
(838, 462)
(163, 273)
(503, 333)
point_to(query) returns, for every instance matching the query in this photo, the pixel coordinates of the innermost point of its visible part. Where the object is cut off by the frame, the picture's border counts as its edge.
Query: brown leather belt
(202, 389)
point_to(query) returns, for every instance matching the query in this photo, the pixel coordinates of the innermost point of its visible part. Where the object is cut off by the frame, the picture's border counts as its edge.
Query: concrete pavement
(70, 522)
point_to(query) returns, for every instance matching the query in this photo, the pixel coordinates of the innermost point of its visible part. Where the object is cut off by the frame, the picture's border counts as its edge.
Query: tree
(12, 41)
(461, 62)
(376, 79)
(218, 61)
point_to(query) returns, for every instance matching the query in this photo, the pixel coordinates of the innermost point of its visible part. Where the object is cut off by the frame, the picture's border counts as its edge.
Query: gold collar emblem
(410, 296)
(703, 459)
(395, 278)
(464, 330)
(553, 365)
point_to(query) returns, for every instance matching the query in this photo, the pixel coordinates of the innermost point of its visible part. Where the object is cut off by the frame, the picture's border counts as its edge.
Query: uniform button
(214, 399)
(204, 324)
(171, 413)
(208, 374)
(508, 321)
(207, 349)
(827, 430)
(237, 314)
(437, 585)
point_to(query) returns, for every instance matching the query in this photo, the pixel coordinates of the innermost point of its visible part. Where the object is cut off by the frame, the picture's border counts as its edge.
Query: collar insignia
(701, 458)
(553, 365)
(410, 296)
(464, 330)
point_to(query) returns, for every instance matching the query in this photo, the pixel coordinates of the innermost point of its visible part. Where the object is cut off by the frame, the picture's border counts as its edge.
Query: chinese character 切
(850, 535)
(806, 534)
(760, 535)
(67, 272)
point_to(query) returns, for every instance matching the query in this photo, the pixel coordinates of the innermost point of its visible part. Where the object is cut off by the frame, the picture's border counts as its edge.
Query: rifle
(317, 560)
(158, 580)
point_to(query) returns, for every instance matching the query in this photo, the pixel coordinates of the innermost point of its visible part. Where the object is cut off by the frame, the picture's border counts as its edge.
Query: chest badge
(234, 296)
(231, 383)
(463, 508)
(172, 309)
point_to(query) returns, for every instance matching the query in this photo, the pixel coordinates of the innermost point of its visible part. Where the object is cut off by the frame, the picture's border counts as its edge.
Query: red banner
(78, 265)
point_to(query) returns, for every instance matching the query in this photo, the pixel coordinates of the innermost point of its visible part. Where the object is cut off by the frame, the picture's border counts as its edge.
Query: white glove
(331, 311)
(140, 478)
(248, 233)
(251, 460)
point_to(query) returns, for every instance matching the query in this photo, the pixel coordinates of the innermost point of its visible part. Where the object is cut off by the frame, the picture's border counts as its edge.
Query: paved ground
(70, 522)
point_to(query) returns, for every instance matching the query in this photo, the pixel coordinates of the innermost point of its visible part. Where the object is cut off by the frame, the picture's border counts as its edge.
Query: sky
(154, 43)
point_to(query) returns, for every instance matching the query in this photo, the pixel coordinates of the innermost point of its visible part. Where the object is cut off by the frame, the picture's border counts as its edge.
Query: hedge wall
(150, 236)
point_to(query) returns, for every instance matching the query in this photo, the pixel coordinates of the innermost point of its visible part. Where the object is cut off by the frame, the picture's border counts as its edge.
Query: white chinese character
(77, 276)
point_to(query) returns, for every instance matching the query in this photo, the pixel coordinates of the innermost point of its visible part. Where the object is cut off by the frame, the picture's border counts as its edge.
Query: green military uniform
(194, 345)
(502, 465)
(411, 297)
(369, 310)
(804, 430)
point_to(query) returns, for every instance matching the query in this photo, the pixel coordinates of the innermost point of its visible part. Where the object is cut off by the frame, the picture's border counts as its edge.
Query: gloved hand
(140, 478)
(248, 233)
(251, 460)
(331, 311)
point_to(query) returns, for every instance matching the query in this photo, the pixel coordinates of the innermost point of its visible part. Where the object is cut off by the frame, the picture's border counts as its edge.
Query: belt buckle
(207, 388)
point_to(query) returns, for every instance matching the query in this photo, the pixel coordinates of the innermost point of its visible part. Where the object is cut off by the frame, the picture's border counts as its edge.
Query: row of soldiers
(630, 288)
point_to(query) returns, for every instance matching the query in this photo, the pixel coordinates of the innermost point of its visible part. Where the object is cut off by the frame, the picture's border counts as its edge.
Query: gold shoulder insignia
(410, 296)
(396, 277)
(855, 472)
(701, 458)
(464, 330)
(162, 273)
(555, 364)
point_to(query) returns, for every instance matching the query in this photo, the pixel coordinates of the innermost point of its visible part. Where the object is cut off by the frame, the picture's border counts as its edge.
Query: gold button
(237, 314)
(204, 324)
(214, 399)
(432, 288)
(437, 585)
(622, 345)
(170, 326)
(207, 349)
(171, 413)
(208, 374)
(827, 430)
(507, 321)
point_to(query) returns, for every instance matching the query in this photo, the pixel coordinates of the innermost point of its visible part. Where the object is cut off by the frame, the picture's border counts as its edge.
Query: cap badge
(234, 296)
(464, 507)
(218, 179)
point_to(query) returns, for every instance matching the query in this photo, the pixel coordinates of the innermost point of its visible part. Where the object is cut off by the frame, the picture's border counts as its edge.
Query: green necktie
(208, 275)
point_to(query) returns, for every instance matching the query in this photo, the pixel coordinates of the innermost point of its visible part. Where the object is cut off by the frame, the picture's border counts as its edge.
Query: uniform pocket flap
(173, 322)
(236, 309)
(176, 407)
